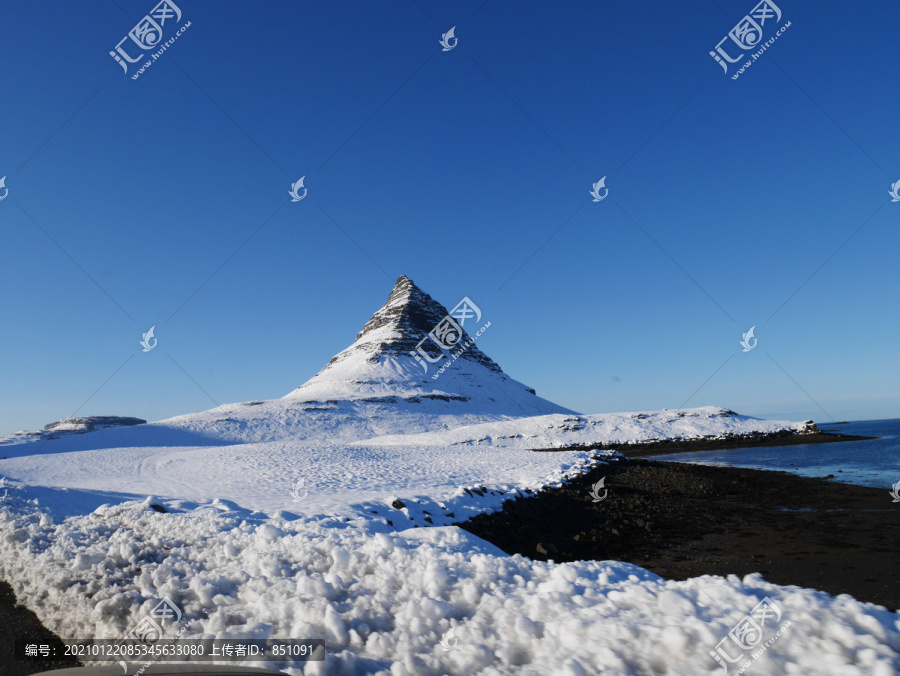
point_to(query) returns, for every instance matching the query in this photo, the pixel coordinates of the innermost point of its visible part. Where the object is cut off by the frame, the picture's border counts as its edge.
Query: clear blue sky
(726, 197)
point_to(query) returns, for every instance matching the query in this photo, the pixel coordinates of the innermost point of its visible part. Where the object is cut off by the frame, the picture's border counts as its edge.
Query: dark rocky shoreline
(665, 446)
(681, 520)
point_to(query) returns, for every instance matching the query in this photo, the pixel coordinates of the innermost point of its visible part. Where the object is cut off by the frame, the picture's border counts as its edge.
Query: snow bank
(555, 431)
(384, 602)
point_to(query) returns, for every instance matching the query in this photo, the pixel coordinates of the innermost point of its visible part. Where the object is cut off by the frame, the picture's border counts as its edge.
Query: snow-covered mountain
(389, 361)
(371, 426)
(372, 388)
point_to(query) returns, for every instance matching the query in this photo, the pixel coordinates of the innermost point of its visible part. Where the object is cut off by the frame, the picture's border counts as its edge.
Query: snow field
(383, 601)
(556, 430)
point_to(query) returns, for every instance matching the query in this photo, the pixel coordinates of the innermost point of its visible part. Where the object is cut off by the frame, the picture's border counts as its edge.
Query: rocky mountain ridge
(408, 316)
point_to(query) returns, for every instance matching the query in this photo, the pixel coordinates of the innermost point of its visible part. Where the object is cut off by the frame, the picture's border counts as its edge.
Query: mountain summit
(408, 316)
(390, 359)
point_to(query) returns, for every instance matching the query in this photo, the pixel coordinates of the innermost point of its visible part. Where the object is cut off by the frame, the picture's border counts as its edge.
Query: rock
(411, 314)
(71, 426)
(398, 504)
(93, 423)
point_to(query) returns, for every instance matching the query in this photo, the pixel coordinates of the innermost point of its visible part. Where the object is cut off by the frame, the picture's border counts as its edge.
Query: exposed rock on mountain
(408, 315)
(389, 360)
(70, 426)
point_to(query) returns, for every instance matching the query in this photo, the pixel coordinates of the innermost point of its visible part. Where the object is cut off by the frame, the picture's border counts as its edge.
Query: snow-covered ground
(243, 555)
(326, 514)
(559, 431)
(384, 601)
(256, 454)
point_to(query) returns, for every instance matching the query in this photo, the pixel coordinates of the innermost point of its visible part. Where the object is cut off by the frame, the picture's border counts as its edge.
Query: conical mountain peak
(410, 308)
(408, 316)
(402, 353)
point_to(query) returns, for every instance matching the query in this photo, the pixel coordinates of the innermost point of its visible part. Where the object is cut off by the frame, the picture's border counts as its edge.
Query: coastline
(648, 449)
(683, 521)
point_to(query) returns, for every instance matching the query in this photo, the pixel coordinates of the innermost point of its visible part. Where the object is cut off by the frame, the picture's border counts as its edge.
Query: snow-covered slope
(382, 363)
(346, 459)
(560, 431)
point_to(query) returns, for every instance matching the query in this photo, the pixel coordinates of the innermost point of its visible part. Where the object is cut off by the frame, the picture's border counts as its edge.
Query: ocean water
(866, 463)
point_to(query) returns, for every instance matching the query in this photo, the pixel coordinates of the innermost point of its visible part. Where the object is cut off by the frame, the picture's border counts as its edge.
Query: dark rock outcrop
(411, 314)
(70, 426)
